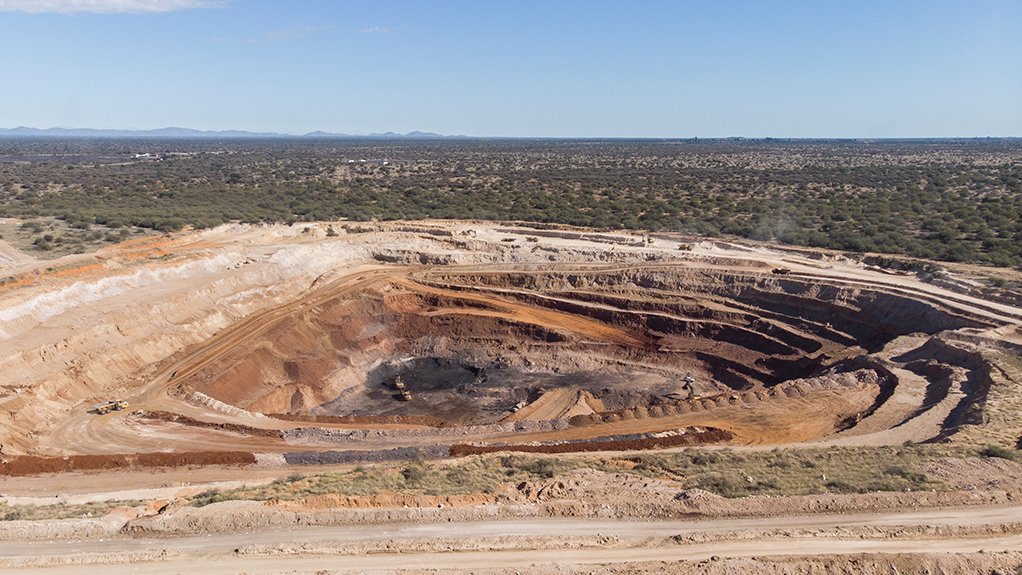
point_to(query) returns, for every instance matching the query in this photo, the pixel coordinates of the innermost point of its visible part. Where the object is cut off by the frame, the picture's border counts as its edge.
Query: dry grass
(799, 471)
(724, 472)
(482, 474)
(61, 510)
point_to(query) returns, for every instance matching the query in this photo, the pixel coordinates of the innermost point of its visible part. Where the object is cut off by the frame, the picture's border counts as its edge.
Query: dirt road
(519, 544)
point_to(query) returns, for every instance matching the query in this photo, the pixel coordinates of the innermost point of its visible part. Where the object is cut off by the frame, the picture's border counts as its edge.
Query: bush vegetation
(725, 472)
(954, 200)
(1000, 452)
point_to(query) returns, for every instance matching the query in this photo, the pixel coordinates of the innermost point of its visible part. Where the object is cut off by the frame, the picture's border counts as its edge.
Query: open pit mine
(468, 397)
(312, 344)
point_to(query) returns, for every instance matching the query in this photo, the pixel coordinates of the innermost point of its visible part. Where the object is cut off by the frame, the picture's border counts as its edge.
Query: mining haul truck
(108, 406)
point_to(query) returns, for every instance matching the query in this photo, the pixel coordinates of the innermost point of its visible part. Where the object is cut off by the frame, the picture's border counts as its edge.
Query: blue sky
(588, 68)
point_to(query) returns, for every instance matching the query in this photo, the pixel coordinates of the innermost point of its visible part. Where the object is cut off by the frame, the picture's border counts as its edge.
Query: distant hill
(174, 132)
(382, 136)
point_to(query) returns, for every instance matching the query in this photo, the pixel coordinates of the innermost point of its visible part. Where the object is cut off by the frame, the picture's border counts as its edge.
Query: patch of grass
(471, 475)
(538, 467)
(1000, 452)
(414, 474)
(798, 471)
(61, 510)
(726, 472)
(210, 496)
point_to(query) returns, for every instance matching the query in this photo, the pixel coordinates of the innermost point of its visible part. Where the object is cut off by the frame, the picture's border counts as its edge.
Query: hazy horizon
(143, 132)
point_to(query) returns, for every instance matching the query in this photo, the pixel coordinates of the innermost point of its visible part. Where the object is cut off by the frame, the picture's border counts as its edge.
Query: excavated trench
(482, 347)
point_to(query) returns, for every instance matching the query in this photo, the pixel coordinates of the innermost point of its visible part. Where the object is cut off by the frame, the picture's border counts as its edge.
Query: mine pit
(497, 346)
(594, 347)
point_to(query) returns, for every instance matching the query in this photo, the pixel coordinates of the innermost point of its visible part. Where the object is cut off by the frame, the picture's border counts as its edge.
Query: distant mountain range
(189, 133)
(23, 131)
